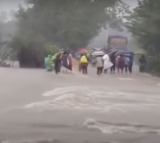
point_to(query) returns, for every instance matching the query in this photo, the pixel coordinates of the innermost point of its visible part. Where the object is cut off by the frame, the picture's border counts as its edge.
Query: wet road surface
(72, 108)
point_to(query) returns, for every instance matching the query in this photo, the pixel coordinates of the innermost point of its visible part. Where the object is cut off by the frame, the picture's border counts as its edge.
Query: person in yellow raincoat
(84, 64)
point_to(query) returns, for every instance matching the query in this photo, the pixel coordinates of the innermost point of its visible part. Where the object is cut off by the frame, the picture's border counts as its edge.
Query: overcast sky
(10, 5)
(7, 5)
(13, 4)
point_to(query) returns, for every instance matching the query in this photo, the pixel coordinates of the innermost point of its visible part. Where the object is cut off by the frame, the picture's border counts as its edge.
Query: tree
(145, 26)
(3, 17)
(6, 32)
(69, 24)
(52, 49)
(30, 50)
(4, 52)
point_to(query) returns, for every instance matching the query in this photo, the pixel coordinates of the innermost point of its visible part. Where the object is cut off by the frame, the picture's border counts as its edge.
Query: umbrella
(113, 52)
(129, 53)
(98, 53)
(83, 51)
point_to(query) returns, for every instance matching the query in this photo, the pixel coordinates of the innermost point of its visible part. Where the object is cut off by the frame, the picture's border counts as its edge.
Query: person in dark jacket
(143, 63)
(113, 60)
(121, 63)
(65, 60)
(57, 65)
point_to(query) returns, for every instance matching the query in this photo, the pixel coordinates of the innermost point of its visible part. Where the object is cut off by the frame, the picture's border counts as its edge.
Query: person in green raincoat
(53, 58)
(48, 63)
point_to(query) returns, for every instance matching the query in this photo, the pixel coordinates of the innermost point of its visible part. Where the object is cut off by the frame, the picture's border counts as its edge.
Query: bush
(154, 65)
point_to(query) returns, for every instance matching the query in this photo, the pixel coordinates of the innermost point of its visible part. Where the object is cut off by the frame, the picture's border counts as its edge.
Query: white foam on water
(35, 104)
(95, 98)
(63, 90)
(111, 128)
(126, 79)
(71, 102)
(116, 93)
(65, 96)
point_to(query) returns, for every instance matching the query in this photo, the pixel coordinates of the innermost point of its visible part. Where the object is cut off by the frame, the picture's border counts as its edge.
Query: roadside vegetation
(47, 26)
(145, 26)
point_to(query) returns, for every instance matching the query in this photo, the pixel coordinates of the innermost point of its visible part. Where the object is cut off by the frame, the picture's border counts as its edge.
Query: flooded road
(74, 108)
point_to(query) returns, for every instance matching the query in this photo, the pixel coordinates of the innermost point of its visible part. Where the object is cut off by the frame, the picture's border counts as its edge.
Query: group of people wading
(63, 62)
(112, 62)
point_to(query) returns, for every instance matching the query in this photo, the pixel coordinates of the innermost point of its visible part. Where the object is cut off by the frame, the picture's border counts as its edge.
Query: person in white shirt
(107, 63)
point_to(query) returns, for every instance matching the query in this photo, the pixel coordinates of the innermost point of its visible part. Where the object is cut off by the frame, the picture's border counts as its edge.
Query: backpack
(83, 59)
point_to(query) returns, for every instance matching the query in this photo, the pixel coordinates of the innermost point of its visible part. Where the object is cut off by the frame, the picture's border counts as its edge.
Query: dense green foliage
(52, 49)
(145, 25)
(69, 24)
